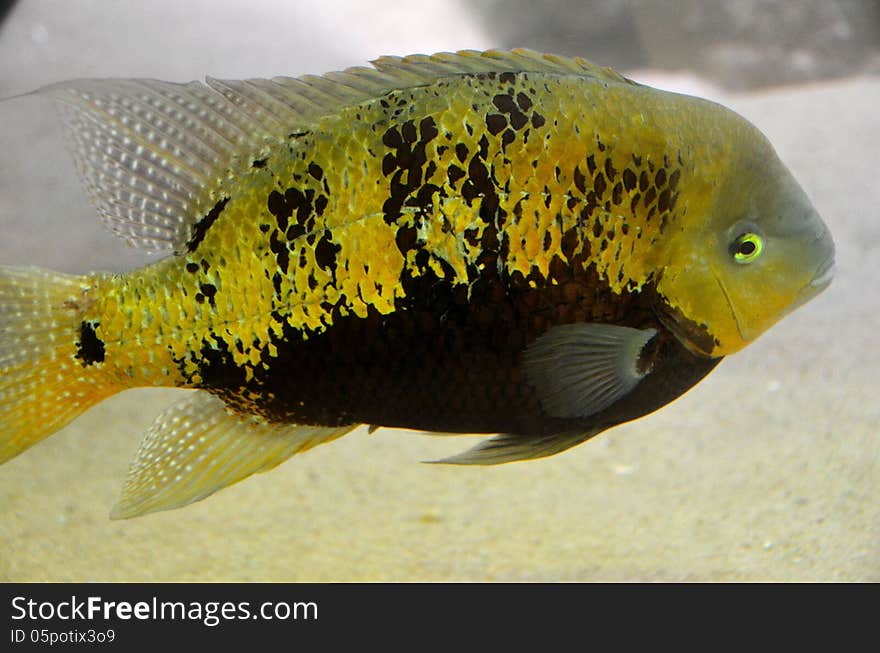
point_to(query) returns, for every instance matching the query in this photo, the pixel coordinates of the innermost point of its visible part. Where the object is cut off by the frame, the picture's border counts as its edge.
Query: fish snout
(820, 281)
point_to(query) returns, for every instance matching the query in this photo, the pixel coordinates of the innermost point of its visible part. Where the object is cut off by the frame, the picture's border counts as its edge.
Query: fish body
(475, 243)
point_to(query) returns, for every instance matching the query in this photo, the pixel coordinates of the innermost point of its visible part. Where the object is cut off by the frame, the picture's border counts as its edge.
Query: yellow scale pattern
(152, 319)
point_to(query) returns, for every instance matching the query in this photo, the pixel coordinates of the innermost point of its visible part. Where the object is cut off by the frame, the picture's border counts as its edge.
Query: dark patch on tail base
(89, 347)
(201, 227)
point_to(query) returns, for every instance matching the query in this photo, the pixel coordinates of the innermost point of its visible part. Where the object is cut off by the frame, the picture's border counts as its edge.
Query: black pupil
(746, 247)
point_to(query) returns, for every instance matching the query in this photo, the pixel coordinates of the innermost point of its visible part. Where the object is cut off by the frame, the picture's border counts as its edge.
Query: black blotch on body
(599, 184)
(407, 167)
(591, 164)
(326, 251)
(660, 178)
(508, 137)
(454, 173)
(610, 170)
(506, 104)
(580, 181)
(278, 246)
(448, 358)
(89, 348)
(406, 239)
(216, 365)
(201, 227)
(316, 171)
(663, 200)
(278, 207)
(495, 123)
(208, 290)
(428, 129)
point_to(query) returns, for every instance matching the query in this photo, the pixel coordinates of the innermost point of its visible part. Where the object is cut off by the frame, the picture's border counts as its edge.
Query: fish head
(760, 251)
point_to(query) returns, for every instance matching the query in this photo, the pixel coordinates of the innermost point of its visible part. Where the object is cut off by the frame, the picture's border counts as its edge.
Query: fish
(508, 243)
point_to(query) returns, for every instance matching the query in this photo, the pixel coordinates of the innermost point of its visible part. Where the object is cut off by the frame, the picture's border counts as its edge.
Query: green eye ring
(747, 247)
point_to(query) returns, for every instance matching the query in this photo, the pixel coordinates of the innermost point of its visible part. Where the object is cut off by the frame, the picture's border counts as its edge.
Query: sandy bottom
(768, 470)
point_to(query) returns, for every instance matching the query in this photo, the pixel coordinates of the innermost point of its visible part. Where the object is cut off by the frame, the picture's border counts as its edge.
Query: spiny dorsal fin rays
(156, 156)
(252, 97)
(427, 67)
(197, 447)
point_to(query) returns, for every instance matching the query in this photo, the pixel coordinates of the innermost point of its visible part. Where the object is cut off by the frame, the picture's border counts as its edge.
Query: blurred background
(738, 44)
(768, 470)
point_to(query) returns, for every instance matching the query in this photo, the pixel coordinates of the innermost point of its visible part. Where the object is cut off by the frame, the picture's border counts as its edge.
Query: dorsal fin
(155, 156)
(152, 155)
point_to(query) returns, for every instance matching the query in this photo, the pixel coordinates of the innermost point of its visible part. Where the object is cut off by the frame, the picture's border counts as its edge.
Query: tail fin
(43, 383)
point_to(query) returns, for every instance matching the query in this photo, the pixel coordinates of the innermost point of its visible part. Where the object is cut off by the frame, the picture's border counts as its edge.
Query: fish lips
(824, 274)
(820, 281)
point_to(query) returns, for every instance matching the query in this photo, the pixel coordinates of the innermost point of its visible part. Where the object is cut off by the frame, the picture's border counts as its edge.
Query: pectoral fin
(577, 370)
(197, 447)
(580, 369)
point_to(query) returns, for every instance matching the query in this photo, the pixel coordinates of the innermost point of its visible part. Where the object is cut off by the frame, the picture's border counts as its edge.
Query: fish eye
(747, 247)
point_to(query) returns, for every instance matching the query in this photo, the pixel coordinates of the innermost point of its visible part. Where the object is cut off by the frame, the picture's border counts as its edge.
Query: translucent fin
(509, 448)
(156, 156)
(42, 384)
(580, 369)
(197, 447)
(153, 155)
(429, 67)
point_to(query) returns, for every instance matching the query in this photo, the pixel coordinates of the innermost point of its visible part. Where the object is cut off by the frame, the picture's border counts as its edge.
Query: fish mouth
(824, 274)
(820, 281)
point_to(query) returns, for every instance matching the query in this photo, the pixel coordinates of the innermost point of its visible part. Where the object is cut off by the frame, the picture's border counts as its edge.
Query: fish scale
(493, 242)
(316, 288)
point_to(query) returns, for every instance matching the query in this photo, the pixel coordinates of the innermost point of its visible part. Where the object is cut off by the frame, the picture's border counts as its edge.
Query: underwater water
(767, 470)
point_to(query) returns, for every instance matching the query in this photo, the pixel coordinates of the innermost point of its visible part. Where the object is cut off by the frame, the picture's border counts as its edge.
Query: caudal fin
(44, 381)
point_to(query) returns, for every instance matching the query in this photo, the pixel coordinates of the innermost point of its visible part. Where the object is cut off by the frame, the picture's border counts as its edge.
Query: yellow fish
(477, 242)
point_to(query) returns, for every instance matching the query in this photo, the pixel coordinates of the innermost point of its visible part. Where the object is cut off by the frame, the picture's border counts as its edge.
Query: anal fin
(197, 447)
